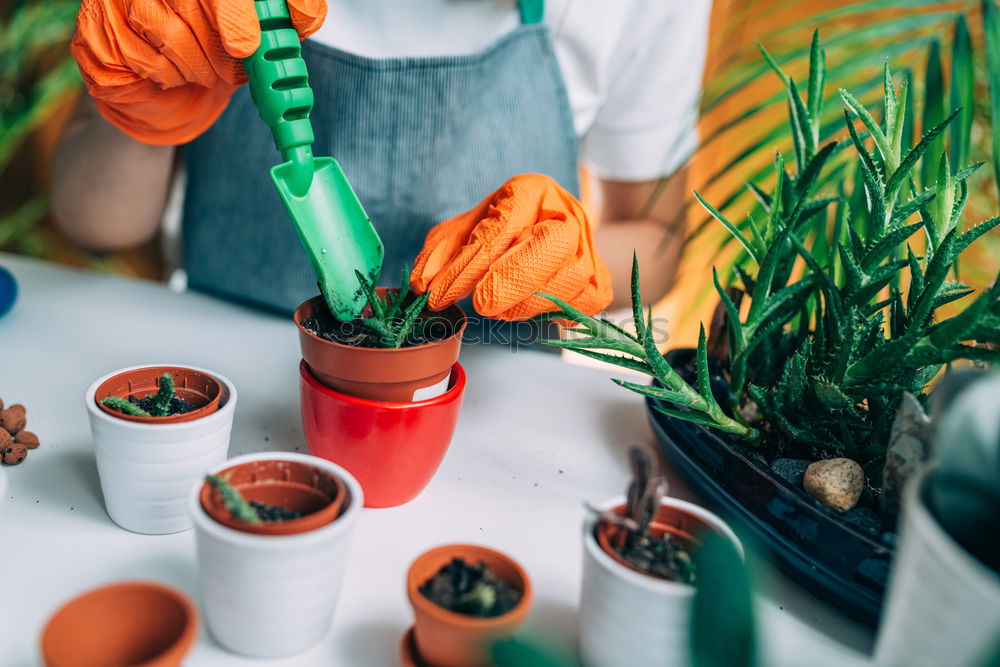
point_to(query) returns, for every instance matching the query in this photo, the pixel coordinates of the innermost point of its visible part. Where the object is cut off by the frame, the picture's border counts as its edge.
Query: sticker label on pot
(432, 391)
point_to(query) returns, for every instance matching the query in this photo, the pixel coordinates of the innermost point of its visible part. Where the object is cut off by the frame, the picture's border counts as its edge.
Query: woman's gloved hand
(529, 236)
(163, 70)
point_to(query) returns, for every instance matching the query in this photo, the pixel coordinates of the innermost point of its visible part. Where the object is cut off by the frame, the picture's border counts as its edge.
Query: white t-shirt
(632, 70)
(632, 67)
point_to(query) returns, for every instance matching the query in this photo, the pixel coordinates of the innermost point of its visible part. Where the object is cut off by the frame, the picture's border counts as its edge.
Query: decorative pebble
(864, 518)
(14, 454)
(28, 439)
(5, 439)
(790, 470)
(836, 483)
(13, 418)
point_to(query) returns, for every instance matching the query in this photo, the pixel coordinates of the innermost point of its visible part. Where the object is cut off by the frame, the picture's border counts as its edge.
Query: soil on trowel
(470, 589)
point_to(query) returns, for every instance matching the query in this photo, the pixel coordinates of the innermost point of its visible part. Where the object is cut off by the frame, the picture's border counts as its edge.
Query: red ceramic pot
(393, 449)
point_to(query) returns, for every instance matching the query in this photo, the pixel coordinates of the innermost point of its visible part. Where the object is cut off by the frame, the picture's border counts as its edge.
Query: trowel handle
(279, 85)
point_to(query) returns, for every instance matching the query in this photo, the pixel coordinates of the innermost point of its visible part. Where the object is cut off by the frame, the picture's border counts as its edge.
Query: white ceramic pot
(943, 605)
(270, 596)
(147, 470)
(629, 618)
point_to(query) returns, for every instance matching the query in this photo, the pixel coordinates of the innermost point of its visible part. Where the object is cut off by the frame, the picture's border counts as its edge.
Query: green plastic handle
(279, 86)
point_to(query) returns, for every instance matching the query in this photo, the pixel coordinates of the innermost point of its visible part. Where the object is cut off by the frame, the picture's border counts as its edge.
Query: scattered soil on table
(273, 512)
(429, 328)
(470, 589)
(664, 558)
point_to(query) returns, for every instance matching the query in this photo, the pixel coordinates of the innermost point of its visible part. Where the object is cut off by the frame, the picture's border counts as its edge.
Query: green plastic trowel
(334, 229)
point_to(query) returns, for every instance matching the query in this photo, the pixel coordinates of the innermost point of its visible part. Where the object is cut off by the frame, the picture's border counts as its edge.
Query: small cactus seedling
(389, 318)
(250, 511)
(159, 404)
(234, 500)
(633, 541)
(470, 589)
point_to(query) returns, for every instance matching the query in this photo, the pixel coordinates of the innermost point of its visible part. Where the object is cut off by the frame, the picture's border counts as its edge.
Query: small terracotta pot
(316, 494)
(678, 523)
(134, 623)
(393, 449)
(448, 639)
(379, 374)
(199, 389)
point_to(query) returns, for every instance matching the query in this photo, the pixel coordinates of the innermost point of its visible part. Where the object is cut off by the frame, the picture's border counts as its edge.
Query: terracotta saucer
(408, 651)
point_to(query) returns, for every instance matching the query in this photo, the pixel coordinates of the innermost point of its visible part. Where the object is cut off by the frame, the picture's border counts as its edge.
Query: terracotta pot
(393, 449)
(199, 389)
(448, 639)
(399, 375)
(134, 623)
(679, 524)
(316, 494)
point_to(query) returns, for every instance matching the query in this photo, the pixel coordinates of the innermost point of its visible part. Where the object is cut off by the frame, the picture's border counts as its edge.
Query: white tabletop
(537, 437)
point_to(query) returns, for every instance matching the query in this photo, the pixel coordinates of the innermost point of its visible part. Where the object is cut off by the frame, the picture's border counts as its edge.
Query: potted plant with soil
(156, 429)
(943, 606)
(132, 623)
(830, 318)
(273, 534)
(381, 395)
(638, 564)
(465, 598)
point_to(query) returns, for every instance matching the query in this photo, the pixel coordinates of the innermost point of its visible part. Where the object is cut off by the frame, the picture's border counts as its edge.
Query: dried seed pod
(28, 439)
(13, 419)
(14, 454)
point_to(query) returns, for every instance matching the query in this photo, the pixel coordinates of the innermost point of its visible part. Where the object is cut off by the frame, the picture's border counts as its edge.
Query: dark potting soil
(470, 589)
(273, 512)
(178, 406)
(660, 557)
(429, 328)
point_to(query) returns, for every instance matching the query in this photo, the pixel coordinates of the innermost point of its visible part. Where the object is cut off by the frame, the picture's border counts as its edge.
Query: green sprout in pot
(629, 534)
(393, 320)
(835, 315)
(470, 589)
(249, 511)
(161, 404)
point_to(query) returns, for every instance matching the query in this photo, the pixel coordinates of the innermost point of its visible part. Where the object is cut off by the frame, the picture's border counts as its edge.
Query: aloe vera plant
(842, 311)
(389, 318)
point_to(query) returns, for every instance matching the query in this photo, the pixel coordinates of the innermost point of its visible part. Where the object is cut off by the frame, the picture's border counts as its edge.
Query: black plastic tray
(829, 557)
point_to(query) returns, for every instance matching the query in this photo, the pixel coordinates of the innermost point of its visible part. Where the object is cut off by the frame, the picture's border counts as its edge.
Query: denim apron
(420, 139)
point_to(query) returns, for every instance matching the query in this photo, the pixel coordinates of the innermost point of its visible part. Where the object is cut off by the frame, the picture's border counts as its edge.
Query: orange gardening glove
(529, 236)
(163, 70)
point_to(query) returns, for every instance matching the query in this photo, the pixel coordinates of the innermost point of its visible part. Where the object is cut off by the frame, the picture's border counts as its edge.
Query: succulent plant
(159, 403)
(963, 491)
(389, 318)
(234, 500)
(831, 339)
